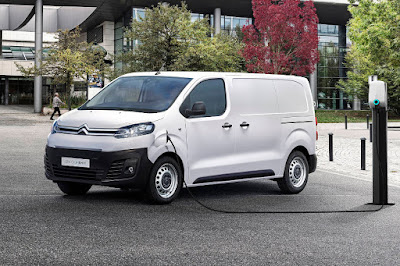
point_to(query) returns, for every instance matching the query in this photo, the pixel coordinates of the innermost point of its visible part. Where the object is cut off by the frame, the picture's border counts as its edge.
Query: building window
(95, 35)
(331, 69)
(231, 25)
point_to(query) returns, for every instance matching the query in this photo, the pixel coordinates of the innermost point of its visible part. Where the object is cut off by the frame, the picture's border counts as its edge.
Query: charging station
(377, 99)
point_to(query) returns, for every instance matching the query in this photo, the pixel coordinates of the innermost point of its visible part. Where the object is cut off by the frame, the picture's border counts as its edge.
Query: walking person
(56, 105)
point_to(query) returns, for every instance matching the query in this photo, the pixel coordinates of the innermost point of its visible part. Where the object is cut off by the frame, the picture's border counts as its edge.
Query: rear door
(210, 139)
(257, 125)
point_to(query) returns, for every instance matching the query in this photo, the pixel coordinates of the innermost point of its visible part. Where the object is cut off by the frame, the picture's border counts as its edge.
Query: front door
(210, 137)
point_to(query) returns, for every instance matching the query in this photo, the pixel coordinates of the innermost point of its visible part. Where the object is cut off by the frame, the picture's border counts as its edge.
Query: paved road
(39, 225)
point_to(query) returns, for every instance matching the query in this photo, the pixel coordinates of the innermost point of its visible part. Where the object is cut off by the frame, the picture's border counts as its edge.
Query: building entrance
(20, 90)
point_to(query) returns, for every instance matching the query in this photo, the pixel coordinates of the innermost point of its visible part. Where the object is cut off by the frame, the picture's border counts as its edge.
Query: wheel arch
(311, 162)
(299, 139)
(174, 156)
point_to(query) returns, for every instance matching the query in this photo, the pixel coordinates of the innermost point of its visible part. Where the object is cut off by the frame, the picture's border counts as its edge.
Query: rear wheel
(296, 174)
(71, 188)
(165, 181)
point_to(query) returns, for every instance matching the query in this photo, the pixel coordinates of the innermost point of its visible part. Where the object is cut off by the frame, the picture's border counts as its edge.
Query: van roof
(193, 74)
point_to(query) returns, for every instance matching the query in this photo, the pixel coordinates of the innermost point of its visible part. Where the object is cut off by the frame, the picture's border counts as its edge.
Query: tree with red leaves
(283, 39)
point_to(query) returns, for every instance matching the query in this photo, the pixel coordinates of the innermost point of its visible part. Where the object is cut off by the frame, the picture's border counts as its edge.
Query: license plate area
(75, 162)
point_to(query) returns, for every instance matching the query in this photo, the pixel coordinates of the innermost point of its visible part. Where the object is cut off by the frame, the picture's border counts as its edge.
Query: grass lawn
(337, 116)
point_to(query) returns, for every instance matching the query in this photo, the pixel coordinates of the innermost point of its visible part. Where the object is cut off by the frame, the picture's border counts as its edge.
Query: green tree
(68, 59)
(374, 31)
(169, 40)
(220, 53)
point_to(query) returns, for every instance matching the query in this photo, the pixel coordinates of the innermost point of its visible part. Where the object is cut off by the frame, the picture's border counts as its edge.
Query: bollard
(370, 132)
(363, 153)
(345, 121)
(331, 147)
(367, 121)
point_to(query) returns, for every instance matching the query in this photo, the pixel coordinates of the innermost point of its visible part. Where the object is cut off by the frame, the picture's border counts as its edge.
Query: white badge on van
(75, 162)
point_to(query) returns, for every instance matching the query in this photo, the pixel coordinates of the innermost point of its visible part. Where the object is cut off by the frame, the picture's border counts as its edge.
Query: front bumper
(127, 169)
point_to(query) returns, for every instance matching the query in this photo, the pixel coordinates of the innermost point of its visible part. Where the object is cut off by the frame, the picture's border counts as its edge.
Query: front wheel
(71, 188)
(165, 181)
(296, 174)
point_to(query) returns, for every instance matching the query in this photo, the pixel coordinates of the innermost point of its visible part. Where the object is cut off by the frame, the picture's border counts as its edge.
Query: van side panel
(292, 98)
(297, 117)
(254, 101)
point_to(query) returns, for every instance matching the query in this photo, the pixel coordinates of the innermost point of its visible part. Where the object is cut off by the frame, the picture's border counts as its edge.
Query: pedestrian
(56, 105)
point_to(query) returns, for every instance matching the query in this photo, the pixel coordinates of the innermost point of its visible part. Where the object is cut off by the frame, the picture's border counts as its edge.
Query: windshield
(149, 94)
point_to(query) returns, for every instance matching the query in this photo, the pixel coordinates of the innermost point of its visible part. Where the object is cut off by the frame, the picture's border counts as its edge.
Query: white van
(154, 131)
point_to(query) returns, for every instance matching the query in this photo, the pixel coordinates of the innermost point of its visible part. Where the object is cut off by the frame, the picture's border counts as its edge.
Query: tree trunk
(68, 89)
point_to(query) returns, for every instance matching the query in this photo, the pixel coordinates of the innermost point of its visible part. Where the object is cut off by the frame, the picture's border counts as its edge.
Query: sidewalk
(347, 151)
(23, 114)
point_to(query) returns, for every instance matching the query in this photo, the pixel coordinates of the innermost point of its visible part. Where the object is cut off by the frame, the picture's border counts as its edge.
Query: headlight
(55, 128)
(135, 130)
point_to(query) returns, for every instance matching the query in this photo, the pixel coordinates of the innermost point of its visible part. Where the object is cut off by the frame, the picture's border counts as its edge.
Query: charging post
(377, 98)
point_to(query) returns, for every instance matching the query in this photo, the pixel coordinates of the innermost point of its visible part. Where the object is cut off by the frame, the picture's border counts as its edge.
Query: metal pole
(363, 153)
(38, 83)
(345, 121)
(331, 147)
(370, 132)
(367, 121)
(1, 43)
(379, 162)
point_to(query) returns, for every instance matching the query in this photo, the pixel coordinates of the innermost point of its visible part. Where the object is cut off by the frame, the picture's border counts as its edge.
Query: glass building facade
(332, 47)
(330, 69)
(231, 24)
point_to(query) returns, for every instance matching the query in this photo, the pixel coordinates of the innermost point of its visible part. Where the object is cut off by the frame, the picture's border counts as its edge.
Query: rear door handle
(244, 124)
(226, 125)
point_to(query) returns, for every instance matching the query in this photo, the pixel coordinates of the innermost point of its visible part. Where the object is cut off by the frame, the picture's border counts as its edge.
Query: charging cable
(259, 212)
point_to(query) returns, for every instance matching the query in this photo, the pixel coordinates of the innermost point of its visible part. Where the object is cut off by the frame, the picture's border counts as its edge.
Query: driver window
(212, 93)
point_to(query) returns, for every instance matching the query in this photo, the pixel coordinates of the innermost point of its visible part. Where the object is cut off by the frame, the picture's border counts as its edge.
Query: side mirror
(198, 108)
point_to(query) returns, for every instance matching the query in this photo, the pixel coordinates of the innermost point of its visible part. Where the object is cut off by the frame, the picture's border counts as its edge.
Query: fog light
(130, 167)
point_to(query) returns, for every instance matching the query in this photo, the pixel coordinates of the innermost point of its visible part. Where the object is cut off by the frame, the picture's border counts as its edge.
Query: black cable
(260, 212)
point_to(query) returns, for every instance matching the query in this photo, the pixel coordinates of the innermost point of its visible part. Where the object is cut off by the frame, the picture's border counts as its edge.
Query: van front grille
(78, 173)
(85, 130)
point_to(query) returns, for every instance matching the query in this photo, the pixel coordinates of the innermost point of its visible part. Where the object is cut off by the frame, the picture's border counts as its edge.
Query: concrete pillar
(38, 83)
(342, 53)
(342, 50)
(217, 20)
(6, 91)
(314, 86)
(356, 104)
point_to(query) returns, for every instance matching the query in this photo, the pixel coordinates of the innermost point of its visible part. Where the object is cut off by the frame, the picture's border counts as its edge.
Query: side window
(212, 93)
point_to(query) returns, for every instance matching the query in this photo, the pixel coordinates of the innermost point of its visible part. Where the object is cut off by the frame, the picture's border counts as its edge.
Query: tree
(283, 39)
(374, 31)
(67, 59)
(169, 40)
(220, 54)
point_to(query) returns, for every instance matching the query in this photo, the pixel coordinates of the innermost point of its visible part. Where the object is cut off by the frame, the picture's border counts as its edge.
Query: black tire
(71, 188)
(165, 181)
(296, 174)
